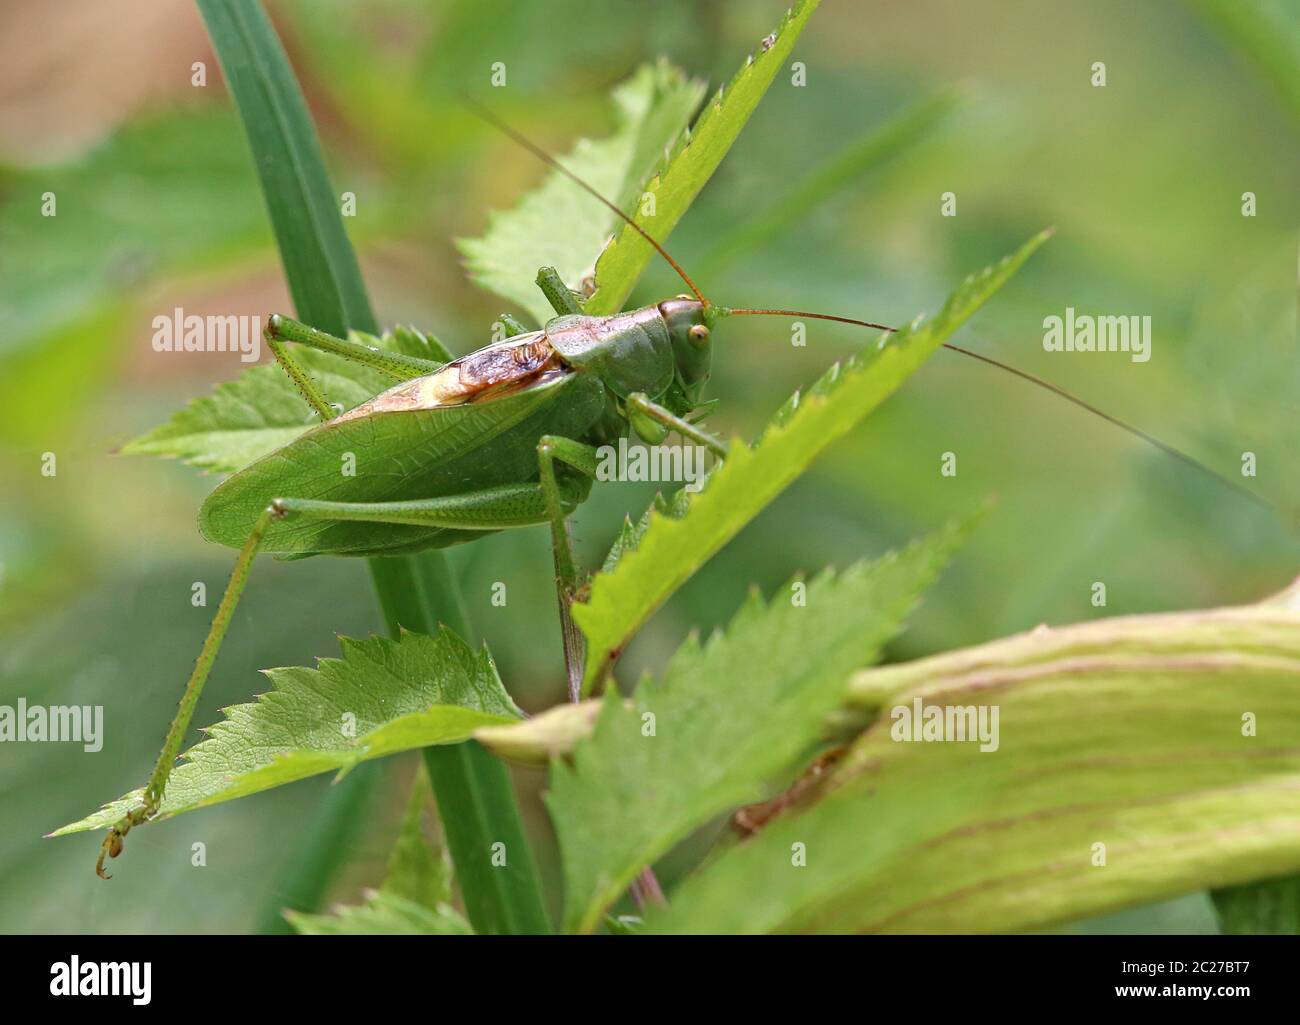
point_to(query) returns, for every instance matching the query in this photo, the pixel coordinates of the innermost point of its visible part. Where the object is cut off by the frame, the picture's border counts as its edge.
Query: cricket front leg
(513, 326)
(488, 509)
(562, 298)
(396, 365)
(640, 404)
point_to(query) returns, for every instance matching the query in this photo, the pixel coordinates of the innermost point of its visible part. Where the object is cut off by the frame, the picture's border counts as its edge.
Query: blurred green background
(158, 207)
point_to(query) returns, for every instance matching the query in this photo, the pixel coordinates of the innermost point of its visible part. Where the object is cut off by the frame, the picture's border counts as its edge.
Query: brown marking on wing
(489, 372)
(499, 364)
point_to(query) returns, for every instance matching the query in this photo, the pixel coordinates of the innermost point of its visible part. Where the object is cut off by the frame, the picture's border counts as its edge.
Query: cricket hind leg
(149, 800)
(550, 451)
(549, 500)
(488, 509)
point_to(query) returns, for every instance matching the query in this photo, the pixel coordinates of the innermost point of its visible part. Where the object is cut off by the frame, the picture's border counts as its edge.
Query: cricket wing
(489, 372)
(399, 452)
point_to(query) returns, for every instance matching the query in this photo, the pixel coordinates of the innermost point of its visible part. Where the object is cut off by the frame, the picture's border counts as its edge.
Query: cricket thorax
(491, 371)
(629, 352)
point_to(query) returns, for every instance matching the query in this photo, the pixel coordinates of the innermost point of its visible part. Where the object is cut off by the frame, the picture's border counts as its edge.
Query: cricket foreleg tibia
(396, 365)
(562, 298)
(583, 458)
(640, 404)
(151, 797)
(301, 379)
(512, 325)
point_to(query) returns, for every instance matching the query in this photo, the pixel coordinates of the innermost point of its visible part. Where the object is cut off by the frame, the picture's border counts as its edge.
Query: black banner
(335, 975)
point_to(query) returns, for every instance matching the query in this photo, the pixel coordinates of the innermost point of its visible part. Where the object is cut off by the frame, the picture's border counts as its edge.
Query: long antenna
(1123, 425)
(1055, 389)
(550, 161)
(1024, 375)
(815, 316)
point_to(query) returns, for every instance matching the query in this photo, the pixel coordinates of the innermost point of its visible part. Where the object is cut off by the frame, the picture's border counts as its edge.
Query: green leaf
(672, 547)
(558, 225)
(1271, 907)
(383, 914)
(381, 697)
(693, 163)
(417, 869)
(1128, 733)
(415, 895)
(261, 410)
(728, 716)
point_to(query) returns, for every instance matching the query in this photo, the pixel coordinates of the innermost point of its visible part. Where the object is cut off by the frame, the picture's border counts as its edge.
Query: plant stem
(472, 788)
(481, 823)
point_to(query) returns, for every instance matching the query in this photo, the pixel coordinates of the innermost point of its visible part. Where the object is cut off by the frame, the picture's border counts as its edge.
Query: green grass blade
(694, 162)
(872, 151)
(318, 260)
(328, 293)
(673, 546)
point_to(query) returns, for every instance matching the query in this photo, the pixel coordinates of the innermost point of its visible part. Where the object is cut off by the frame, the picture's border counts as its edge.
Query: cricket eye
(699, 334)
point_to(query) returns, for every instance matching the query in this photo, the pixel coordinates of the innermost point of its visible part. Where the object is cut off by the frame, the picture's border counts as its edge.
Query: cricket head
(690, 327)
